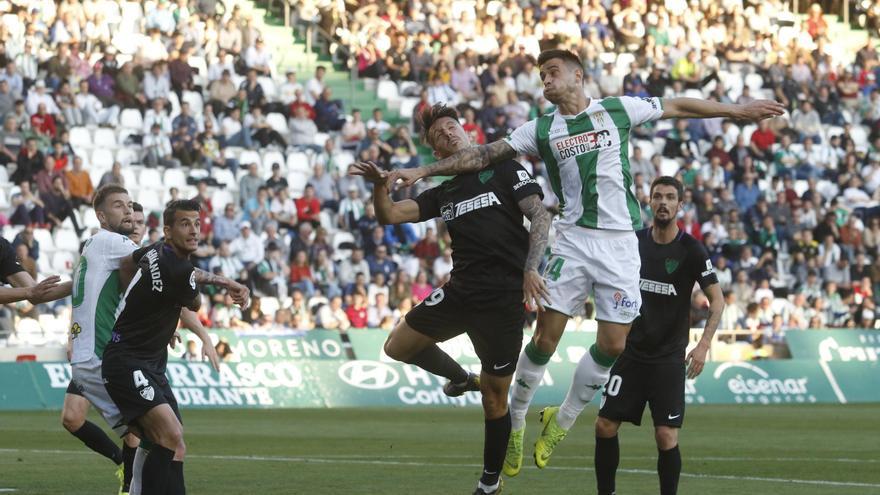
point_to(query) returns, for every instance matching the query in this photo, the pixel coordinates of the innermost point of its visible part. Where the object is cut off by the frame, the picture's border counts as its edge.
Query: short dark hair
(104, 192)
(179, 205)
(432, 114)
(137, 207)
(666, 180)
(565, 55)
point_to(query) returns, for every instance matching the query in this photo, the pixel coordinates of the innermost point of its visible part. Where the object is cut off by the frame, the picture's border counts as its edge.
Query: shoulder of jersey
(643, 233)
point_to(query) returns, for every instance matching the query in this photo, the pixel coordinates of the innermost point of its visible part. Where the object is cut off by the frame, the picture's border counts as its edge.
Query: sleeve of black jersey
(429, 206)
(9, 265)
(518, 180)
(701, 264)
(139, 253)
(182, 288)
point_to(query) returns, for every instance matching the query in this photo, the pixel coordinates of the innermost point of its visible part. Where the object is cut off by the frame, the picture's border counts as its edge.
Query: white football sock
(589, 376)
(525, 383)
(140, 456)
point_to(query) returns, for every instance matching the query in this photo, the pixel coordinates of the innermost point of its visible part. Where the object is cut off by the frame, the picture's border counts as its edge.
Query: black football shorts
(493, 321)
(136, 388)
(633, 384)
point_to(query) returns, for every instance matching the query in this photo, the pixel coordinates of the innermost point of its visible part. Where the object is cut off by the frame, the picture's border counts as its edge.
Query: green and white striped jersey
(587, 160)
(96, 293)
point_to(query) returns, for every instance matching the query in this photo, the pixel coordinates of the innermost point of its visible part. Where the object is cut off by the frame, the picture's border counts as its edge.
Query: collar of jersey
(579, 114)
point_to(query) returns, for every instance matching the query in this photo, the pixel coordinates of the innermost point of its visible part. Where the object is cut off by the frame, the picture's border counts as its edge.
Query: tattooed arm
(240, 294)
(467, 160)
(539, 231)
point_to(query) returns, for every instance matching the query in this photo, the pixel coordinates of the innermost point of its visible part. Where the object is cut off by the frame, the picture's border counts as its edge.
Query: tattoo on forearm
(472, 159)
(539, 231)
(206, 278)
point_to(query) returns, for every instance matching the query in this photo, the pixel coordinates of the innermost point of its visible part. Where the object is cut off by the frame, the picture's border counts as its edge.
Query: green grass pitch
(798, 450)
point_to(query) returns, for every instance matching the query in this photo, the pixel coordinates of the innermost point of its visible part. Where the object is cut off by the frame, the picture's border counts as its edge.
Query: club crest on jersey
(485, 175)
(148, 393)
(583, 143)
(446, 211)
(192, 280)
(671, 265)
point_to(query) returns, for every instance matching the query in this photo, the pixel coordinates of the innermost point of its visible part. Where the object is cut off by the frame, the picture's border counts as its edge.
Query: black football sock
(669, 469)
(497, 434)
(95, 439)
(605, 460)
(434, 360)
(175, 481)
(157, 471)
(128, 463)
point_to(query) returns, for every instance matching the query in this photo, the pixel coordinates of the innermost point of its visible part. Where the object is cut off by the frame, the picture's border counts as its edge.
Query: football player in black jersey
(495, 272)
(135, 359)
(653, 365)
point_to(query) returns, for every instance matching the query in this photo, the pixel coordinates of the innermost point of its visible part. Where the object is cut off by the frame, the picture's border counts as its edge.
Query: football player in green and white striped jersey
(584, 145)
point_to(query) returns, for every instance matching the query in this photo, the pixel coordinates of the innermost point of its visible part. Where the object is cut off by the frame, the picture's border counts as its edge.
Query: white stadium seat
(131, 118)
(101, 158)
(105, 138)
(44, 237)
(149, 178)
(248, 156)
(174, 178)
(299, 162)
(63, 261)
(80, 137)
(221, 198)
(224, 176)
(66, 240)
(278, 123)
(270, 157)
(150, 200)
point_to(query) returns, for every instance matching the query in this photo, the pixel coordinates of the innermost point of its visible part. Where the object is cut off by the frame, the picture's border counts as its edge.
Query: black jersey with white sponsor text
(9, 264)
(668, 274)
(481, 211)
(149, 312)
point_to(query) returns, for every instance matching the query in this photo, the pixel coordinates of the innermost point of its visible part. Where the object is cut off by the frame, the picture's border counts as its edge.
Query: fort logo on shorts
(623, 302)
(583, 143)
(148, 393)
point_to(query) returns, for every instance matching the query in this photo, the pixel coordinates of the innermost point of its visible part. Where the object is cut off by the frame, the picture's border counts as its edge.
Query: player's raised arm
(697, 357)
(465, 161)
(240, 294)
(685, 108)
(23, 287)
(539, 232)
(387, 211)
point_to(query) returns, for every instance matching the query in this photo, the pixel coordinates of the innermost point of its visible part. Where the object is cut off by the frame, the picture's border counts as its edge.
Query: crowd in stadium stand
(788, 208)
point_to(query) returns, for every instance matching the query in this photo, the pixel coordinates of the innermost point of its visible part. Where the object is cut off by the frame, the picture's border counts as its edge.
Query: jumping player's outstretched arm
(240, 294)
(539, 231)
(387, 211)
(687, 108)
(697, 357)
(24, 287)
(465, 161)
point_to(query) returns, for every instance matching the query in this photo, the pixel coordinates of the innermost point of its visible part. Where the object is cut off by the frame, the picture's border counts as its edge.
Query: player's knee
(394, 351)
(131, 441)
(666, 437)
(494, 404)
(612, 347)
(71, 420)
(546, 342)
(606, 428)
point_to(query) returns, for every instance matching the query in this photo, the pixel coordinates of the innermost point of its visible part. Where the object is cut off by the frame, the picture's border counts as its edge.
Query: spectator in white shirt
(376, 122)
(91, 108)
(157, 149)
(218, 65)
(528, 82)
(157, 82)
(378, 311)
(247, 247)
(440, 92)
(234, 133)
(153, 48)
(443, 266)
(259, 58)
(157, 115)
(229, 266)
(38, 97)
(287, 91)
(16, 83)
(315, 86)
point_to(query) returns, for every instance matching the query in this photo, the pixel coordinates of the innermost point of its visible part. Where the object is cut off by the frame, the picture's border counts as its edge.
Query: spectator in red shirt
(301, 274)
(719, 151)
(298, 102)
(357, 312)
(206, 213)
(421, 288)
(816, 25)
(308, 207)
(472, 128)
(428, 248)
(762, 141)
(43, 123)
